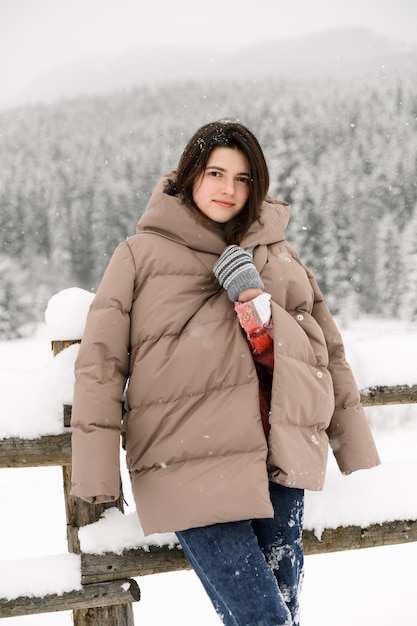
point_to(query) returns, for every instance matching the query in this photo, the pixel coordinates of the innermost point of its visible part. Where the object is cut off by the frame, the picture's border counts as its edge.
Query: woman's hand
(249, 294)
(237, 273)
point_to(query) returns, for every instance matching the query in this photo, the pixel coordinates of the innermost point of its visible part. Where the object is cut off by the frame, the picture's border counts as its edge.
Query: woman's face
(222, 190)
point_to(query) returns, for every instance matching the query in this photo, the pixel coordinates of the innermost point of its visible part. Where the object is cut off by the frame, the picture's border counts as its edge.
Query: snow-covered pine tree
(409, 247)
(15, 311)
(390, 269)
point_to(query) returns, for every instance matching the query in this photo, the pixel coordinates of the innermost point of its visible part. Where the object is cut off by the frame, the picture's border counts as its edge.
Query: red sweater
(260, 338)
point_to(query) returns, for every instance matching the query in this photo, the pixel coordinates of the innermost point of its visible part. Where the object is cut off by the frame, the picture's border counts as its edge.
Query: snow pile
(32, 402)
(382, 352)
(363, 498)
(56, 574)
(66, 313)
(116, 532)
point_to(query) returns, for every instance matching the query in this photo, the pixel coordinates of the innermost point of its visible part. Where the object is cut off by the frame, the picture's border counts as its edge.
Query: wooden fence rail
(56, 449)
(107, 587)
(94, 596)
(381, 396)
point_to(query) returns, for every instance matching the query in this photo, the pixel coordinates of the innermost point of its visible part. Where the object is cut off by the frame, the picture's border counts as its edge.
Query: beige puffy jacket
(195, 445)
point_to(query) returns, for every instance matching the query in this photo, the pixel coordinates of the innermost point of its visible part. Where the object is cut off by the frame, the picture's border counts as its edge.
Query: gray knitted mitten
(236, 272)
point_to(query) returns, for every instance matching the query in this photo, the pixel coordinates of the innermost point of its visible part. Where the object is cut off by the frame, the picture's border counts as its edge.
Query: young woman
(236, 374)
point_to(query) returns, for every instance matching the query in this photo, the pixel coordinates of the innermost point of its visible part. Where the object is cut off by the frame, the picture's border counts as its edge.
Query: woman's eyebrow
(222, 169)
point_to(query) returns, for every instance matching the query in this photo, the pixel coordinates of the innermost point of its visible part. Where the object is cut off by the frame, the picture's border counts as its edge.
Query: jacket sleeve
(101, 372)
(349, 433)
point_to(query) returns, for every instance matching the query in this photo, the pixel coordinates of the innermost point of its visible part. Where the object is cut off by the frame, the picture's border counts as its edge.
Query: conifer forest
(76, 175)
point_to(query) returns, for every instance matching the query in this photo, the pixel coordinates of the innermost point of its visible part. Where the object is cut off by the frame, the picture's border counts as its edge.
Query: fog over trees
(75, 176)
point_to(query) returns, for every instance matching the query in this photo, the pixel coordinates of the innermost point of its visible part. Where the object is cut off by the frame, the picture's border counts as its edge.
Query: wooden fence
(108, 588)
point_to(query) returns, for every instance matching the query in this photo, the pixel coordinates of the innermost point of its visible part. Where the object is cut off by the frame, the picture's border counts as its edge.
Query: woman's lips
(224, 204)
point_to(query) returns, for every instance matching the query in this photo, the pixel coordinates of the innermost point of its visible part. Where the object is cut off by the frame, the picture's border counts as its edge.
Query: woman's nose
(229, 187)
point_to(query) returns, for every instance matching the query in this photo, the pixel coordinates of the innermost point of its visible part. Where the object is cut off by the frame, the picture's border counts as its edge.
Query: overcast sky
(36, 35)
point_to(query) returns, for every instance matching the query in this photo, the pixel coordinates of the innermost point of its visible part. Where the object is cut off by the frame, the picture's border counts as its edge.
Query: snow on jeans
(252, 570)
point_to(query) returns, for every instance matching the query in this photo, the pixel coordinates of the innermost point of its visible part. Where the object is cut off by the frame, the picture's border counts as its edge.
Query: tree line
(75, 177)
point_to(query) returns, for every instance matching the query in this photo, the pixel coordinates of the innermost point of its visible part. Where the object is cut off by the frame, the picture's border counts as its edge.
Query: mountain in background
(339, 51)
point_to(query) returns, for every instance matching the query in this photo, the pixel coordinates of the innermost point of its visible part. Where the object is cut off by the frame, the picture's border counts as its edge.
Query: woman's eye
(243, 179)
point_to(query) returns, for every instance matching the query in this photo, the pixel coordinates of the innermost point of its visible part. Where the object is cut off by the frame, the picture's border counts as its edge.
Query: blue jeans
(252, 570)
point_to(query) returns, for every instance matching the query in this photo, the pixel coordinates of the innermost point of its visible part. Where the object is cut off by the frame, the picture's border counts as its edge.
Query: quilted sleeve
(101, 372)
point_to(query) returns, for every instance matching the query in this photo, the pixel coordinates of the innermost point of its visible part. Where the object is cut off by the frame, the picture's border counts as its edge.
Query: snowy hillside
(335, 51)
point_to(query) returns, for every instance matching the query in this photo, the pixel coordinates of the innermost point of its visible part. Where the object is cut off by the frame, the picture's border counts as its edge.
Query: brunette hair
(193, 161)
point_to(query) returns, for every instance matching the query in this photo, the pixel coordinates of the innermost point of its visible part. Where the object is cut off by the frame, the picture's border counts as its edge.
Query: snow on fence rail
(107, 588)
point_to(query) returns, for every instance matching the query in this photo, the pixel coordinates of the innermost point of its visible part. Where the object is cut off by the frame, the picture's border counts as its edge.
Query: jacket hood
(167, 216)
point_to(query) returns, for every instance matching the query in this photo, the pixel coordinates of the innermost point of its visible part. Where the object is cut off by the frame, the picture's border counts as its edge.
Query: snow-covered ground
(373, 587)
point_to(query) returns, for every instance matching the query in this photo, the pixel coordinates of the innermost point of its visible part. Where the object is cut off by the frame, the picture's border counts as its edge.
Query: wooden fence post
(78, 514)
